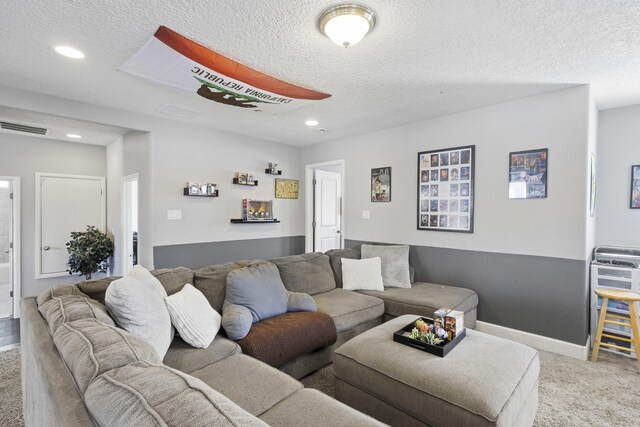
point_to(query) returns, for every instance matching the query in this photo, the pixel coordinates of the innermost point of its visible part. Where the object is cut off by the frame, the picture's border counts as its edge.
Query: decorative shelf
(254, 184)
(186, 193)
(241, 221)
(268, 172)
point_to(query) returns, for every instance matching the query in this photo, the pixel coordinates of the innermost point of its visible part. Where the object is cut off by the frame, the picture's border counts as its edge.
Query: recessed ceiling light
(311, 123)
(74, 136)
(69, 52)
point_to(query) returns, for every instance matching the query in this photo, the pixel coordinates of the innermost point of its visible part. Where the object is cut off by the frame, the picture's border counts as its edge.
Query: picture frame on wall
(635, 187)
(381, 184)
(286, 188)
(528, 172)
(446, 179)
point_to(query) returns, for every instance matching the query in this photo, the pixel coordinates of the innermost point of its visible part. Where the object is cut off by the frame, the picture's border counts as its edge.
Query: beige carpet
(572, 392)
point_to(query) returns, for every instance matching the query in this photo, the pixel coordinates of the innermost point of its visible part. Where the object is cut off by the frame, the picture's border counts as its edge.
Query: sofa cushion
(279, 339)
(309, 407)
(425, 298)
(395, 263)
(185, 358)
(173, 279)
(90, 348)
(58, 291)
(67, 307)
(252, 384)
(348, 308)
(364, 274)
(141, 394)
(307, 273)
(212, 281)
(96, 288)
(192, 316)
(136, 302)
(335, 259)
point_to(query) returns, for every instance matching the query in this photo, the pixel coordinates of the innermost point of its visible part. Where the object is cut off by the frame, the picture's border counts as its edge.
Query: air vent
(23, 128)
(178, 111)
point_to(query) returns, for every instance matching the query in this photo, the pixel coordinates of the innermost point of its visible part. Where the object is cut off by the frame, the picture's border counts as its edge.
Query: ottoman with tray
(483, 381)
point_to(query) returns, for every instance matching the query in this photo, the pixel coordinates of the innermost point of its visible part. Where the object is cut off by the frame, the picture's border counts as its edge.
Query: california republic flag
(173, 60)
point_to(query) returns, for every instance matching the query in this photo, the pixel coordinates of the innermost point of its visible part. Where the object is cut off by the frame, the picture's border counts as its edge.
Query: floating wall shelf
(268, 172)
(241, 221)
(254, 184)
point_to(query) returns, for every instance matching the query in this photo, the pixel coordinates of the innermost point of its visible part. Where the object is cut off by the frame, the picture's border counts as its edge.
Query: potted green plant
(89, 252)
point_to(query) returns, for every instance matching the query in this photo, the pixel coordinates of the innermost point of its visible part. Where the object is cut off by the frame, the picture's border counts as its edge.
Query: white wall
(618, 150)
(23, 156)
(552, 227)
(592, 149)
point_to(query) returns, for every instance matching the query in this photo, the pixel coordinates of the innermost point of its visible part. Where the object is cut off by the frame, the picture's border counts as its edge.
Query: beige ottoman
(484, 381)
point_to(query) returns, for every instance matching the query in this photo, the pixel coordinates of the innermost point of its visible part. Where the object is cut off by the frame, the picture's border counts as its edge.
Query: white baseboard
(537, 341)
(9, 347)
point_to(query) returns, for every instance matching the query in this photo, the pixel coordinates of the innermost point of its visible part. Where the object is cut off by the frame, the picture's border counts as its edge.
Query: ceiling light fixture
(74, 136)
(311, 123)
(347, 24)
(69, 52)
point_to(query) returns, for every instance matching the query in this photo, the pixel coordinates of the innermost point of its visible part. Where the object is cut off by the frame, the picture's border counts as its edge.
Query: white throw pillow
(362, 274)
(136, 303)
(193, 317)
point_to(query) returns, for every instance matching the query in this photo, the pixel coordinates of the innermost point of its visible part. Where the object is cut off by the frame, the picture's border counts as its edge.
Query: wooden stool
(619, 295)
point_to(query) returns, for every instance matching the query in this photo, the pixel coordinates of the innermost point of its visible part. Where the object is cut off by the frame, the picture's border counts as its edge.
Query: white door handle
(46, 248)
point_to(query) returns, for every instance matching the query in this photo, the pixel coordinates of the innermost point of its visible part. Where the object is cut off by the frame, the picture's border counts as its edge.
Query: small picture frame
(242, 178)
(528, 174)
(381, 184)
(635, 187)
(286, 188)
(249, 178)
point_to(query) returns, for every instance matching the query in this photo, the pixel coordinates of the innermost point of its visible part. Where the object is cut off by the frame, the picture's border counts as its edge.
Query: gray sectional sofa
(51, 377)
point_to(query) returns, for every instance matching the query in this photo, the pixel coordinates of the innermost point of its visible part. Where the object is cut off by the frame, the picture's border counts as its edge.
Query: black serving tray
(438, 350)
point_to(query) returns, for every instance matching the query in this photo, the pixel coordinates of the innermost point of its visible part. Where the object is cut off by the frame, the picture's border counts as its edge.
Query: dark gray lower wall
(542, 295)
(197, 255)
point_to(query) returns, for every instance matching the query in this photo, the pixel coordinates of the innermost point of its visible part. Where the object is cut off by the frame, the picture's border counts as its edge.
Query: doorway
(9, 247)
(324, 206)
(129, 222)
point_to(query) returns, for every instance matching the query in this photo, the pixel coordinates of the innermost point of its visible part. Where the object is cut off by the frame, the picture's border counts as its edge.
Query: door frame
(309, 200)
(124, 220)
(38, 214)
(15, 253)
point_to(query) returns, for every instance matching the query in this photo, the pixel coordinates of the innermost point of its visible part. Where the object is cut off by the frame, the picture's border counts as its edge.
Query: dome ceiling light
(346, 25)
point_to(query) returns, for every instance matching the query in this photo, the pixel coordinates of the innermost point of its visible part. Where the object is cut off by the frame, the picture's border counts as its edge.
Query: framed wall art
(528, 174)
(286, 188)
(635, 187)
(445, 189)
(381, 184)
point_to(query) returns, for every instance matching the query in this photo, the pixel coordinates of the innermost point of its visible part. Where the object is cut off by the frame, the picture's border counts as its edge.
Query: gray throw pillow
(395, 264)
(298, 301)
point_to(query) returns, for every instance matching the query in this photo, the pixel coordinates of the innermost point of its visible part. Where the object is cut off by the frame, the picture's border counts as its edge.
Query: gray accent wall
(542, 295)
(197, 255)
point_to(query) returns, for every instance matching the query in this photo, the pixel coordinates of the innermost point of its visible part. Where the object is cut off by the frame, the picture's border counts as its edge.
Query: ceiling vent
(178, 111)
(15, 127)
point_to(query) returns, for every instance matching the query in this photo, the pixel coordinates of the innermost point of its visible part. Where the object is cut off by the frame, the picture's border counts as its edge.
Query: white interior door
(67, 203)
(6, 239)
(327, 211)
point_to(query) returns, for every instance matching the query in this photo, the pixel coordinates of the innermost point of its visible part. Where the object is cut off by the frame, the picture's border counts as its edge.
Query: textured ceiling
(423, 59)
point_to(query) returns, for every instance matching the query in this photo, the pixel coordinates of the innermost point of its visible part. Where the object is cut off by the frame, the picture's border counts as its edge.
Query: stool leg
(603, 315)
(634, 329)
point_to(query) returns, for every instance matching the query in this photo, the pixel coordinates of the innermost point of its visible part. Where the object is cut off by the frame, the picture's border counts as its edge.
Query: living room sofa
(51, 393)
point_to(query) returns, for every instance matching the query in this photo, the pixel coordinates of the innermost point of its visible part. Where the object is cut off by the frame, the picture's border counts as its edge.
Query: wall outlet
(366, 214)
(174, 214)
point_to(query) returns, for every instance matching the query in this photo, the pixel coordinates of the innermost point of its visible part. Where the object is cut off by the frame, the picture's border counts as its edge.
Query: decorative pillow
(335, 258)
(259, 288)
(298, 301)
(136, 302)
(142, 394)
(395, 264)
(90, 348)
(362, 274)
(192, 316)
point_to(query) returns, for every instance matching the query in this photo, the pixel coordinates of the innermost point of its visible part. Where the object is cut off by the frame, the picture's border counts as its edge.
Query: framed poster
(445, 189)
(635, 187)
(592, 194)
(381, 184)
(528, 174)
(286, 188)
